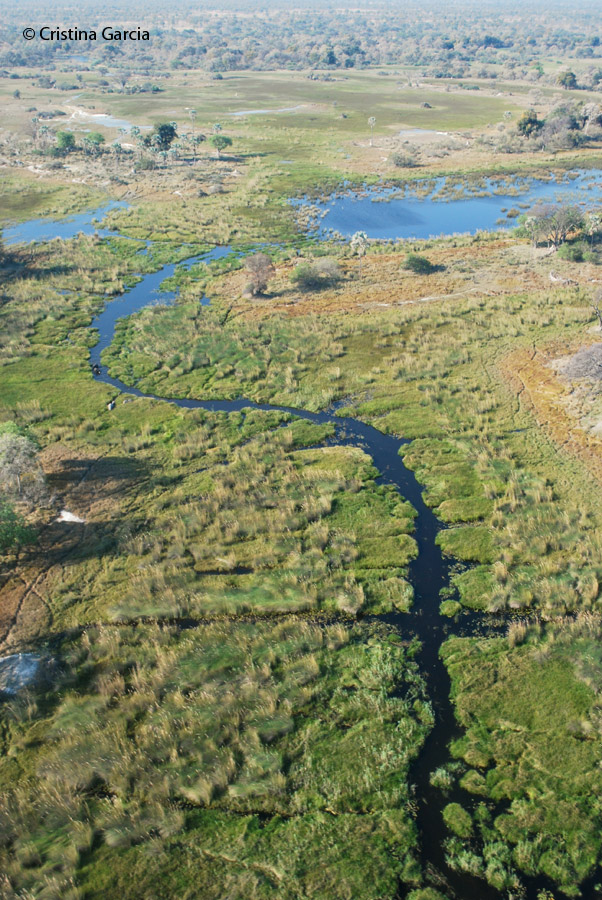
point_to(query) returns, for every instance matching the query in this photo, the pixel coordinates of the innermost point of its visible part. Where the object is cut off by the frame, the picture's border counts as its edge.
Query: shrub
(13, 530)
(145, 163)
(573, 252)
(458, 820)
(404, 160)
(316, 275)
(420, 265)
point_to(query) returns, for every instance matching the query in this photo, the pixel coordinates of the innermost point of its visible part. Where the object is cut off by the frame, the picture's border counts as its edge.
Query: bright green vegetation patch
(530, 708)
(187, 351)
(454, 486)
(242, 749)
(270, 532)
(26, 199)
(471, 542)
(475, 587)
(458, 820)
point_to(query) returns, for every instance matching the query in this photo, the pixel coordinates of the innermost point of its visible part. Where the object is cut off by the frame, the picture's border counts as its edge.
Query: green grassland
(530, 753)
(434, 377)
(231, 749)
(238, 521)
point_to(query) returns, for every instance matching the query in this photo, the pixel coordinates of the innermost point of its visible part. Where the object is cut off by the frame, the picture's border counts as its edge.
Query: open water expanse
(445, 206)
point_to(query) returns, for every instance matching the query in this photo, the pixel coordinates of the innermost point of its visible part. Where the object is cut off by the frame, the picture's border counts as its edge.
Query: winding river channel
(429, 573)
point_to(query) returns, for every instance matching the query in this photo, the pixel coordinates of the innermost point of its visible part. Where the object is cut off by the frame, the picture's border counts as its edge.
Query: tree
(371, 123)
(92, 142)
(529, 123)
(21, 475)
(124, 77)
(593, 224)
(595, 305)
(359, 244)
(592, 115)
(261, 269)
(554, 223)
(192, 114)
(162, 136)
(17, 95)
(220, 142)
(13, 530)
(65, 141)
(567, 80)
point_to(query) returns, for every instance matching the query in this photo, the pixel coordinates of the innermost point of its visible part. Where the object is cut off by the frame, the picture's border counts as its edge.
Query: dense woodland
(464, 41)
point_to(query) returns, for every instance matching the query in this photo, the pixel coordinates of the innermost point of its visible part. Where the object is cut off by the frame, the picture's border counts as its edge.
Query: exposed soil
(96, 489)
(532, 375)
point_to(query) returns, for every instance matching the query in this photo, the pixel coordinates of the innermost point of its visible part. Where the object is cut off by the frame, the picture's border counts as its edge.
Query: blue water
(413, 216)
(145, 293)
(48, 229)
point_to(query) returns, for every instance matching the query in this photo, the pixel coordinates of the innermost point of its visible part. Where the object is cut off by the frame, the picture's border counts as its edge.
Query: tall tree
(21, 475)
(359, 244)
(220, 142)
(261, 269)
(371, 123)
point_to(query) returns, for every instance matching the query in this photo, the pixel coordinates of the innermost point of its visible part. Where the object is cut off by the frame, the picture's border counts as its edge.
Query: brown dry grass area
(536, 385)
(93, 488)
(479, 268)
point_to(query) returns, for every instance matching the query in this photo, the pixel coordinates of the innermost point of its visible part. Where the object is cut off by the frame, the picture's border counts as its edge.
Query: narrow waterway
(428, 573)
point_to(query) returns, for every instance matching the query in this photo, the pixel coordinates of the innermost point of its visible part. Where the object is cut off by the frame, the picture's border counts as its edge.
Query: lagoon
(443, 206)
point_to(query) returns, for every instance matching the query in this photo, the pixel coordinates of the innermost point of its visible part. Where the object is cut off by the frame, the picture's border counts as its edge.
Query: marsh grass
(522, 746)
(154, 733)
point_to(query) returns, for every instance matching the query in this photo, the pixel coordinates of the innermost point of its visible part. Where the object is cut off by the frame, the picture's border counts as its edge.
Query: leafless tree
(595, 305)
(21, 475)
(261, 269)
(554, 223)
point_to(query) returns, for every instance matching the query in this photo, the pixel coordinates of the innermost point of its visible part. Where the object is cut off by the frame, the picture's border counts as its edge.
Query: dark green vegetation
(530, 706)
(237, 751)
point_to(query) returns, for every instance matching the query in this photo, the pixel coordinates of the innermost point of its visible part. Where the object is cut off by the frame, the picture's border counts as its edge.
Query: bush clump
(458, 820)
(312, 276)
(419, 265)
(404, 160)
(577, 252)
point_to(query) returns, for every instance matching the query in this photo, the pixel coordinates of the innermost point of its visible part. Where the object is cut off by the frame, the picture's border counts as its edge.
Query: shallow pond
(105, 119)
(48, 229)
(267, 112)
(444, 206)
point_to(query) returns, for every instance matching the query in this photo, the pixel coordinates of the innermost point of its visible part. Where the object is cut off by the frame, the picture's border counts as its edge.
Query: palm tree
(371, 123)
